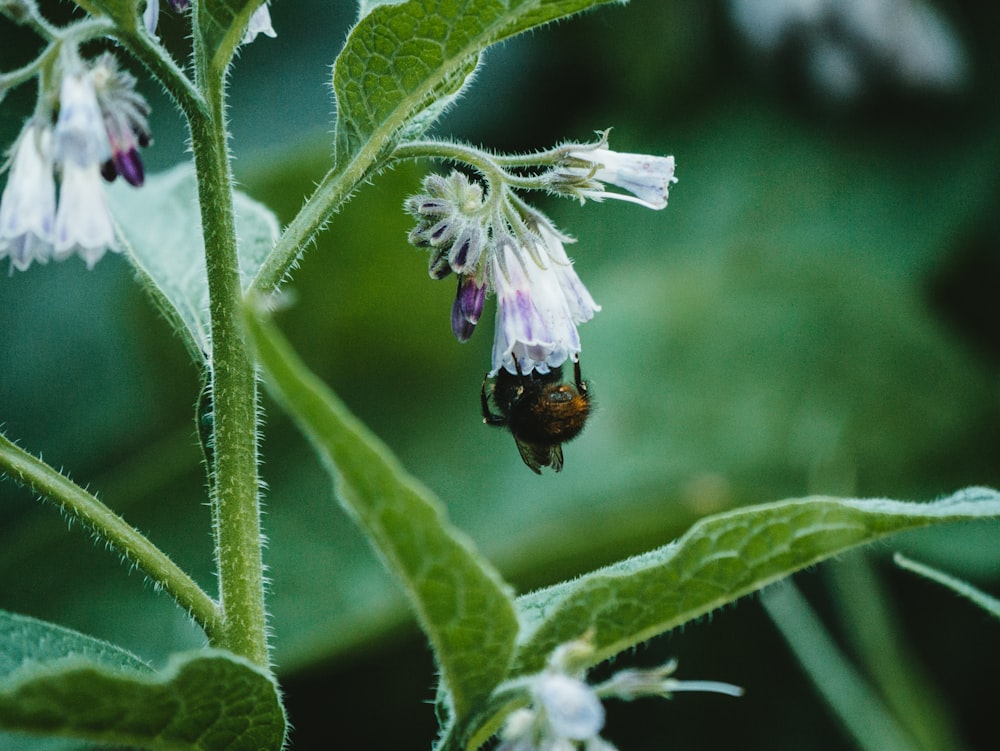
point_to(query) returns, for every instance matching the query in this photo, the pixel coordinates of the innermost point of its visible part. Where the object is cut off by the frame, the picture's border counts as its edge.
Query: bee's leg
(488, 417)
(581, 385)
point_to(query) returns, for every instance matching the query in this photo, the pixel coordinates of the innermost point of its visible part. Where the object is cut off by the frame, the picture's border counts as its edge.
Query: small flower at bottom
(83, 221)
(28, 204)
(565, 713)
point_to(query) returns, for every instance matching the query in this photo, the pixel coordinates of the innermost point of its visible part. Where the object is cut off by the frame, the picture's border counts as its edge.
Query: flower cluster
(100, 126)
(495, 243)
(565, 712)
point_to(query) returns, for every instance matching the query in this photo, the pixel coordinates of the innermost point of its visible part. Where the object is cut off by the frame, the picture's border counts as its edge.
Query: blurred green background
(815, 312)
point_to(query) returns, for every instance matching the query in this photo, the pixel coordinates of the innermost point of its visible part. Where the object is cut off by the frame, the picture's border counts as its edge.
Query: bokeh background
(815, 312)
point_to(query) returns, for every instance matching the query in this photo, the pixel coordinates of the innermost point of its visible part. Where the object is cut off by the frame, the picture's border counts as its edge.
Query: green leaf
(988, 603)
(54, 681)
(463, 605)
(404, 63)
(25, 640)
(161, 227)
(720, 559)
(221, 25)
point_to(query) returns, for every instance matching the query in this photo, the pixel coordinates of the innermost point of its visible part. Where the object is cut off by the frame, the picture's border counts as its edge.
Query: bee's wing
(538, 455)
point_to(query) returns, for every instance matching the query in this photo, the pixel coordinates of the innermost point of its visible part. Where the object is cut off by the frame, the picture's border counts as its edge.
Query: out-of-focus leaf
(57, 682)
(719, 560)
(162, 229)
(857, 705)
(463, 605)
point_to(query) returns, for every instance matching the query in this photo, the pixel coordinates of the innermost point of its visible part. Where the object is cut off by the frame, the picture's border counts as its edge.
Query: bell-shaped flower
(124, 112)
(28, 203)
(260, 23)
(585, 171)
(535, 328)
(80, 136)
(83, 220)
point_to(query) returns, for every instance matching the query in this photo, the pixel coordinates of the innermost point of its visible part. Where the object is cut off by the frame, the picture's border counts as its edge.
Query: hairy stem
(235, 484)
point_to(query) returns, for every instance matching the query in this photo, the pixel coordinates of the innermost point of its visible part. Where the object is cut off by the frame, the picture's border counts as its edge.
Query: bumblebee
(539, 410)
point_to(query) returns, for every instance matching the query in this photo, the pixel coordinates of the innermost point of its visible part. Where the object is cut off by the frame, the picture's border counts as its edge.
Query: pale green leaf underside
(463, 605)
(402, 60)
(25, 640)
(718, 560)
(61, 683)
(161, 228)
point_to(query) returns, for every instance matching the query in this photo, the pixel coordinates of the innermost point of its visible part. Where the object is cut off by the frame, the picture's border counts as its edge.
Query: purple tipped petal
(468, 307)
(129, 166)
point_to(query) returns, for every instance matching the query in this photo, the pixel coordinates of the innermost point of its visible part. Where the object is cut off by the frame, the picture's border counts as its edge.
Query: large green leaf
(463, 605)
(161, 226)
(404, 63)
(720, 559)
(54, 681)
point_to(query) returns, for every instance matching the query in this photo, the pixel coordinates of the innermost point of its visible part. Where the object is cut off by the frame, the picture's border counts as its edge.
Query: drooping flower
(28, 204)
(83, 220)
(260, 23)
(588, 169)
(503, 247)
(80, 136)
(125, 114)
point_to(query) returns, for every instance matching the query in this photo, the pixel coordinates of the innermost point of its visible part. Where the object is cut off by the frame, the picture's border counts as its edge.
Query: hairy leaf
(54, 681)
(462, 603)
(718, 560)
(403, 63)
(161, 227)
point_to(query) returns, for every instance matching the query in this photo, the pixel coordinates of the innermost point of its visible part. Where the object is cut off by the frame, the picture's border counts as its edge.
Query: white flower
(260, 23)
(571, 706)
(151, 16)
(647, 178)
(565, 714)
(80, 134)
(83, 221)
(534, 322)
(28, 204)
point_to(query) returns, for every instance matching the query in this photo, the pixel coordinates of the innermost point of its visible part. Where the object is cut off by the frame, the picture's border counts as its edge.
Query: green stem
(42, 479)
(235, 485)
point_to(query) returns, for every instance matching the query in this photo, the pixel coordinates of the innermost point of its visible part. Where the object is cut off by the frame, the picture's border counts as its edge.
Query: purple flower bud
(468, 307)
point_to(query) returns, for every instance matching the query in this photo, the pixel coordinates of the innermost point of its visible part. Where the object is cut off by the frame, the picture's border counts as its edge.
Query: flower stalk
(234, 478)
